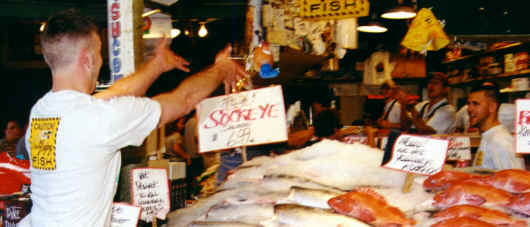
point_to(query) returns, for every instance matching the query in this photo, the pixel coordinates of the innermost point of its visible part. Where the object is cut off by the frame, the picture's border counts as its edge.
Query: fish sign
(121, 38)
(124, 215)
(150, 191)
(418, 154)
(459, 148)
(246, 118)
(333, 9)
(522, 126)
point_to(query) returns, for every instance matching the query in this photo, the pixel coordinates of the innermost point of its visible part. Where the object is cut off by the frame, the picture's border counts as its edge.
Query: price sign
(459, 148)
(522, 126)
(246, 118)
(417, 154)
(150, 191)
(124, 215)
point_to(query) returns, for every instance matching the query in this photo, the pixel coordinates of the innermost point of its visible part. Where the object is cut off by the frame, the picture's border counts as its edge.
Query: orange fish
(521, 203)
(370, 207)
(463, 222)
(444, 179)
(471, 193)
(512, 180)
(488, 215)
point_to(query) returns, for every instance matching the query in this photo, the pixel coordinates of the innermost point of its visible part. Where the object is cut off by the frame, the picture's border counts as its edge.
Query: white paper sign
(121, 38)
(522, 126)
(124, 215)
(150, 191)
(459, 148)
(246, 118)
(417, 154)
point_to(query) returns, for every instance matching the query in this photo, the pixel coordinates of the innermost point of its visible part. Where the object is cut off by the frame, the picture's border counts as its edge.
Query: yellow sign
(42, 143)
(333, 9)
(425, 33)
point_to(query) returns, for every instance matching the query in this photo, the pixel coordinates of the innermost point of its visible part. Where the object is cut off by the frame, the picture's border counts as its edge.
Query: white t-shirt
(496, 150)
(394, 116)
(73, 148)
(440, 116)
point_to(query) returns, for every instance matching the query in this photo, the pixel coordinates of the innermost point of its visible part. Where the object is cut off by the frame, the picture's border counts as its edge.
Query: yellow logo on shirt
(42, 142)
(478, 158)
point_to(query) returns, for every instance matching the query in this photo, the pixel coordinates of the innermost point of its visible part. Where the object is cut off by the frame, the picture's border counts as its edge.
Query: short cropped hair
(491, 90)
(62, 32)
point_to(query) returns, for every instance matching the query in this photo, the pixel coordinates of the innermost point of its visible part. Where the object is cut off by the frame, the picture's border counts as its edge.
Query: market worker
(13, 132)
(496, 149)
(73, 137)
(392, 111)
(434, 116)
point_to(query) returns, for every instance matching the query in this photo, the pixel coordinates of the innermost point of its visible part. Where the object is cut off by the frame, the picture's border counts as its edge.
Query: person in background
(174, 141)
(74, 137)
(326, 126)
(392, 111)
(13, 132)
(434, 116)
(496, 149)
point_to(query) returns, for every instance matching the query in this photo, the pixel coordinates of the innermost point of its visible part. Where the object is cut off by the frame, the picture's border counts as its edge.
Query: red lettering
(116, 29)
(263, 110)
(270, 111)
(248, 115)
(115, 11)
(213, 119)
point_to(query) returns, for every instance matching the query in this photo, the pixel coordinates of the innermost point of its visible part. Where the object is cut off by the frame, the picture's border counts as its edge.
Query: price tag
(124, 215)
(459, 148)
(417, 154)
(522, 126)
(246, 118)
(150, 191)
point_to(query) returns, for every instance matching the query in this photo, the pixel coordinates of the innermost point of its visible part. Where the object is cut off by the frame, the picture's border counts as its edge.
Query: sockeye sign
(333, 9)
(240, 119)
(522, 126)
(121, 38)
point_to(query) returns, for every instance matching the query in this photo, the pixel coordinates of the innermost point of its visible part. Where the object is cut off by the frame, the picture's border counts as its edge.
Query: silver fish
(311, 197)
(245, 213)
(220, 224)
(301, 216)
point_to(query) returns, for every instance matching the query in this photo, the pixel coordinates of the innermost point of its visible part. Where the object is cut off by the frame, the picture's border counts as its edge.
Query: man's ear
(85, 59)
(492, 106)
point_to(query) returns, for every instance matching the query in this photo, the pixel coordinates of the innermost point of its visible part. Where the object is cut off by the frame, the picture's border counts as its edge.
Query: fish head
(444, 199)
(443, 179)
(521, 203)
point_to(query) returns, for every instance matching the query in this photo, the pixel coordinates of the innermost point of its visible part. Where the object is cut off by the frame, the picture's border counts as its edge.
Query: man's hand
(229, 69)
(166, 60)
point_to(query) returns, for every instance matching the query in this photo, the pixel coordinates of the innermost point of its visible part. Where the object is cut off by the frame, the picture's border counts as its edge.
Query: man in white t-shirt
(434, 116)
(496, 149)
(392, 110)
(73, 138)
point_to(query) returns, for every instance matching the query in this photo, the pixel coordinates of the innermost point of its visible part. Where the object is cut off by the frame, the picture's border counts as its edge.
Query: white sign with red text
(124, 215)
(150, 191)
(459, 148)
(418, 154)
(241, 119)
(121, 38)
(522, 126)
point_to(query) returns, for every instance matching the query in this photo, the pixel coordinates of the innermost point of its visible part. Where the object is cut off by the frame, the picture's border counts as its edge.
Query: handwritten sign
(333, 9)
(459, 148)
(246, 118)
(522, 126)
(124, 215)
(150, 191)
(416, 154)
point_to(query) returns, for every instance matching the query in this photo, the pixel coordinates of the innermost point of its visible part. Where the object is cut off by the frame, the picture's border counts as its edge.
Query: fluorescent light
(400, 12)
(372, 27)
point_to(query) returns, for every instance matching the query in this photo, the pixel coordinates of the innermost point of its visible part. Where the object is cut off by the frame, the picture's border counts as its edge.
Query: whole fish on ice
(301, 216)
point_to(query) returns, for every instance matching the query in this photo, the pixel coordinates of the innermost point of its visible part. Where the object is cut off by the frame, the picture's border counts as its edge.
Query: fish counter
(336, 184)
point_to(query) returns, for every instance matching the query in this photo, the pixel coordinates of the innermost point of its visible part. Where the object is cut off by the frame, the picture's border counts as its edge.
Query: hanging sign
(459, 148)
(124, 215)
(522, 126)
(121, 38)
(240, 119)
(417, 154)
(150, 191)
(333, 9)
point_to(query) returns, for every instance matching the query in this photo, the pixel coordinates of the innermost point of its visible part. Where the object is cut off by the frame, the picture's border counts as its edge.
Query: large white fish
(317, 198)
(301, 216)
(245, 213)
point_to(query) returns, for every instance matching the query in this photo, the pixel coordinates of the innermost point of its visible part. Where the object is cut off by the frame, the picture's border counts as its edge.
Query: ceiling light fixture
(399, 12)
(149, 13)
(202, 30)
(42, 26)
(372, 27)
(175, 32)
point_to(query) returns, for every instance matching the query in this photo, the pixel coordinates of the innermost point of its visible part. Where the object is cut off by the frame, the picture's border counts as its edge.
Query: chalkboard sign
(522, 126)
(150, 191)
(247, 118)
(417, 154)
(124, 215)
